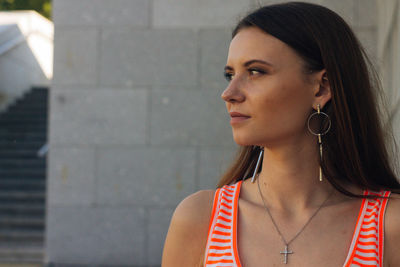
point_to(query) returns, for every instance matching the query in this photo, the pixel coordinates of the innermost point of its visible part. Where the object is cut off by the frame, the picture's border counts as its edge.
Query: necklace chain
(276, 226)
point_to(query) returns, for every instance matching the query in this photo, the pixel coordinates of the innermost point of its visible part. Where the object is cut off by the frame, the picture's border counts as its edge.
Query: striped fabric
(221, 243)
(366, 248)
(367, 245)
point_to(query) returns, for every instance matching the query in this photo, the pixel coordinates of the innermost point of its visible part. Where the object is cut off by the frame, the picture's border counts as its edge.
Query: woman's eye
(256, 70)
(228, 76)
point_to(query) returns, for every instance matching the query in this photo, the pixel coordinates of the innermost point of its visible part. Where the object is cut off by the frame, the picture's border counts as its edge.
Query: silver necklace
(287, 252)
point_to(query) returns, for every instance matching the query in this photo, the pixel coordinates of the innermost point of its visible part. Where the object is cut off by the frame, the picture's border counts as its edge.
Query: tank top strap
(366, 248)
(221, 244)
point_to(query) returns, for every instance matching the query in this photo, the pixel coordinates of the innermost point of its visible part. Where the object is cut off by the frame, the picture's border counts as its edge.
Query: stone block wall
(136, 119)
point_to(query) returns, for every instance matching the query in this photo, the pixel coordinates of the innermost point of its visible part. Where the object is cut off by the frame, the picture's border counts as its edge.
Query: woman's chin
(243, 141)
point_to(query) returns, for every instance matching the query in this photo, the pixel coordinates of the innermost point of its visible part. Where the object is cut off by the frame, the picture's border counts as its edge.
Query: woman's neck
(289, 179)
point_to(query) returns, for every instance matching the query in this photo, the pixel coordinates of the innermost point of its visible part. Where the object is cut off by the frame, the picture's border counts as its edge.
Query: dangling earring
(319, 134)
(257, 165)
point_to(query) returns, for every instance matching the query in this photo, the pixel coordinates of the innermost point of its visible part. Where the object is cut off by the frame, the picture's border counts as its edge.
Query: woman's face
(276, 95)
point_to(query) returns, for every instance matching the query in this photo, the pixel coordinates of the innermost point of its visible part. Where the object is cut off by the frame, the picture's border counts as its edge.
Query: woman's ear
(322, 90)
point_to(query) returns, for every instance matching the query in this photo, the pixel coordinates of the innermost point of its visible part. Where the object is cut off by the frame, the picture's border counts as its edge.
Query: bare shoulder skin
(187, 234)
(392, 232)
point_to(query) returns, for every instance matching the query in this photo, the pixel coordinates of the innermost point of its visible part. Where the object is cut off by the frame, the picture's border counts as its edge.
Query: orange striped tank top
(366, 247)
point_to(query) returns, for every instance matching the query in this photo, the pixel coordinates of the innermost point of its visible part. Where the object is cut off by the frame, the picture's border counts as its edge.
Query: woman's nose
(232, 93)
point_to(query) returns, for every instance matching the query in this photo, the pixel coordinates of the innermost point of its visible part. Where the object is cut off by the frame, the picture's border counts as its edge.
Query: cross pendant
(286, 252)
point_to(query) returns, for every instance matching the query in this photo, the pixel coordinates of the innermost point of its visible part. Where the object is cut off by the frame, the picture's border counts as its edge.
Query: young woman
(304, 110)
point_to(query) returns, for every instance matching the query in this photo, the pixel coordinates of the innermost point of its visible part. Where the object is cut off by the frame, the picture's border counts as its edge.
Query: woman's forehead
(253, 43)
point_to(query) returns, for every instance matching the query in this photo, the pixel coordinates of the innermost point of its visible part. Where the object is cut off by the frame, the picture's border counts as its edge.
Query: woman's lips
(238, 119)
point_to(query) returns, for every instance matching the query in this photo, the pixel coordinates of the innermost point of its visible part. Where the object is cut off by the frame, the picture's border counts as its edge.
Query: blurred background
(101, 141)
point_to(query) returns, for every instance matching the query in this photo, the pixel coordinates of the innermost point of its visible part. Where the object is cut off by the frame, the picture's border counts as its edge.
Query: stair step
(28, 112)
(17, 194)
(24, 116)
(17, 163)
(22, 220)
(18, 136)
(17, 105)
(21, 262)
(4, 132)
(35, 92)
(26, 125)
(23, 217)
(32, 102)
(25, 172)
(26, 233)
(11, 209)
(22, 120)
(26, 187)
(22, 247)
(27, 137)
(36, 95)
(27, 109)
(11, 223)
(23, 178)
(22, 113)
(23, 131)
(23, 140)
(20, 255)
(33, 99)
(21, 227)
(15, 214)
(11, 262)
(18, 152)
(33, 178)
(21, 235)
(15, 124)
(29, 103)
(37, 166)
(24, 201)
(27, 199)
(21, 207)
(22, 182)
(39, 89)
(24, 128)
(4, 181)
(20, 155)
(21, 145)
(11, 140)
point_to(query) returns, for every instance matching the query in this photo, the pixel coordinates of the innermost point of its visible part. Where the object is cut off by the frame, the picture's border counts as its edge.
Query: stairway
(23, 131)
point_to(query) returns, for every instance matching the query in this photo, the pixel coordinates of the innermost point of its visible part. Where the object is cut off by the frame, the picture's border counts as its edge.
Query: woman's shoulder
(392, 231)
(187, 233)
(195, 208)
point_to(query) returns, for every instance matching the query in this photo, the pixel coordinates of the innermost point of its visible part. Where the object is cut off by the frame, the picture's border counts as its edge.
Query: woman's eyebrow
(247, 63)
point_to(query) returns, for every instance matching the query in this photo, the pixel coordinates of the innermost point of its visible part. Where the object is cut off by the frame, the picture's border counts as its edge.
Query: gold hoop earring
(319, 112)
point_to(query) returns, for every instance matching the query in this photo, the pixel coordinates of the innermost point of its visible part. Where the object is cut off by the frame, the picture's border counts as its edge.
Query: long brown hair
(355, 150)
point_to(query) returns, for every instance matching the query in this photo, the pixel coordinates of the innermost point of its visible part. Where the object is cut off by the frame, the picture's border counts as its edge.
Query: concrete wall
(136, 119)
(389, 65)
